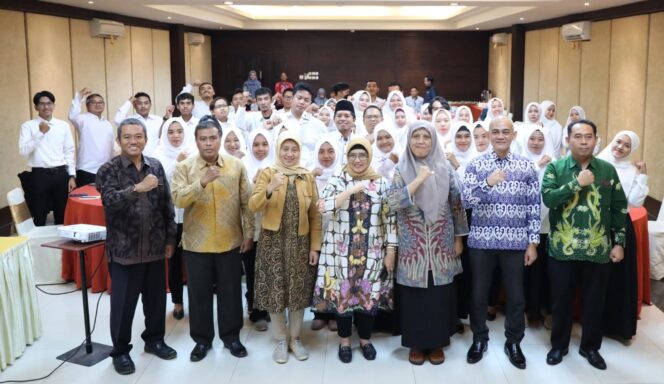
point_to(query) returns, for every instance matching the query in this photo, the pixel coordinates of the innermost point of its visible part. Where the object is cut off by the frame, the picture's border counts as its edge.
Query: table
(20, 321)
(639, 218)
(93, 352)
(88, 210)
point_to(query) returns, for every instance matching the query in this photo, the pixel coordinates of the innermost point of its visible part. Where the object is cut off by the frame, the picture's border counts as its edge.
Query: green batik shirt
(585, 221)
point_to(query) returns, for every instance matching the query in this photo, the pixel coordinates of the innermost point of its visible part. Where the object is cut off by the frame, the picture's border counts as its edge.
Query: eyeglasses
(358, 156)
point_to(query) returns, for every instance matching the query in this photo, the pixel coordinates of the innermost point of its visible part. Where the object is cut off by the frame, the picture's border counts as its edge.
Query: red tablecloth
(474, 108)
(90, 211)
(639, 218)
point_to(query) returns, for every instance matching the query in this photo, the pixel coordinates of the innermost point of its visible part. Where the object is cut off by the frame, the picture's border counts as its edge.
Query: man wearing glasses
(48, 144)
(95, 135)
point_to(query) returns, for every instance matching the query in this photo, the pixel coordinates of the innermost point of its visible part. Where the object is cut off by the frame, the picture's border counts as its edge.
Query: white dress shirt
(152, 124)
(342, 144)
(238, 116)
(52, 149)
(309, 128)
(255, 120)
(96, 138)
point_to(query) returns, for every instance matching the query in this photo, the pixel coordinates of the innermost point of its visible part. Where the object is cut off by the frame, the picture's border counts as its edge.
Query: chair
(656, 238)
(47, 262)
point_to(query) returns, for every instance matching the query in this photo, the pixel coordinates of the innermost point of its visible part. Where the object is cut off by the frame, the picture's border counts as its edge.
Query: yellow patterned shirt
(585, 221)
(216, 218)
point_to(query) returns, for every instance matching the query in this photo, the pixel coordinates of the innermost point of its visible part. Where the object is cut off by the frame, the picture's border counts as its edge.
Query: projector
(84, 233)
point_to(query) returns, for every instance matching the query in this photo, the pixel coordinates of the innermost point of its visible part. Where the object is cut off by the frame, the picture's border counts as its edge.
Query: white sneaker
(260, 325)
(299, 350)
(280, 354)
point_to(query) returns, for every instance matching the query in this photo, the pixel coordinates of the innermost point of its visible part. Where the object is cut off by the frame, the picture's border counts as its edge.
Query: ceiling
(346, 14)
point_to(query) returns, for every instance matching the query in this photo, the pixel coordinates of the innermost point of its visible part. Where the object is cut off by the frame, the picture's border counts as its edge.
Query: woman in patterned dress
(358, 251)
(431, 222)
(286, 196)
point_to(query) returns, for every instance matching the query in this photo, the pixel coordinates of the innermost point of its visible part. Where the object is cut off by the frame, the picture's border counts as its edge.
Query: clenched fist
(585, 178)
(496, 177)
(146, 185)
(210, 175)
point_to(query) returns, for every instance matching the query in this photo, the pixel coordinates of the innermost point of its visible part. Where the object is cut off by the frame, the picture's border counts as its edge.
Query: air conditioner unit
(106, 28)
(578, 31)
(499, 39)
(195, 38)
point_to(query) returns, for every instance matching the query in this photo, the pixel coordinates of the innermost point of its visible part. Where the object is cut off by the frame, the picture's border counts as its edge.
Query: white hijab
(321, 181)
(527, 131)
(330, 126)
(485, 126)
(463, 157)
(554, 127)
(250, 161)
(489, 114)
(240, 136)
(626, 170)
(582, 115)
(388, 113)
(380, 157)
(443, 140)
(526, 118)
(166, 152)
(470, 113)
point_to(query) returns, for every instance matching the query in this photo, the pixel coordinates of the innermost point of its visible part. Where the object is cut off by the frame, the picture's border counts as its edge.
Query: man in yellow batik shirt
(218, 227)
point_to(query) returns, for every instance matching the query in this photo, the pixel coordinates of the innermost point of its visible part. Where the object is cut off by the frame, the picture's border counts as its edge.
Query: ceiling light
(169, 18)
(522, 18)
(454, 4)
(477, 28)
(91, 2)
(228, 2)
(586, 4)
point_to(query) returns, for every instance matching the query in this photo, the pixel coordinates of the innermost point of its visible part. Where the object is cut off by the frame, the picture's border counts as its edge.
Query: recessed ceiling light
(477, 28)
(228, 2)
(286, 29)
(91, 2)
(522, 18)
(169, 18)
(586, 4)
(454, 4)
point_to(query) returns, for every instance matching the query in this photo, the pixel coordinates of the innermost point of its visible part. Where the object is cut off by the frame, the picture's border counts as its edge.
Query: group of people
(360, 208)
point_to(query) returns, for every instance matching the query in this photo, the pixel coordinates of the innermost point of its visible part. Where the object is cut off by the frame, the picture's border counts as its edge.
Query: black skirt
(428, 315)
(620, 306)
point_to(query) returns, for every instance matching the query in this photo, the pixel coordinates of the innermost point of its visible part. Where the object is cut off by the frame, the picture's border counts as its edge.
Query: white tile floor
(640, 362)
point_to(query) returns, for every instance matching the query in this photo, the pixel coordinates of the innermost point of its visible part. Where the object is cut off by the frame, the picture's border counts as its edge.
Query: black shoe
(199, 352)
(594, 358)
(123, 364)
(555, 356)
(161, 350)
(178, 314)
(368, 351)
(476, 351)
(345, 354)
(513, 351)
(236, 348)
(459, 327)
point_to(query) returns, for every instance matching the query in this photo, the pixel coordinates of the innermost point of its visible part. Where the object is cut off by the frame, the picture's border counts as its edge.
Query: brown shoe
(437, 356)
(416, 357)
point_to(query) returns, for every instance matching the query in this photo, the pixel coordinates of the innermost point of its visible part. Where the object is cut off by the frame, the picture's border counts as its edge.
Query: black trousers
(127, 283)
(175, 282)
(564, 277)
(363, 321)
(210, 273)
(483, 262)
(536, 282)
(50, 191)
(249, 263)
(84, 178)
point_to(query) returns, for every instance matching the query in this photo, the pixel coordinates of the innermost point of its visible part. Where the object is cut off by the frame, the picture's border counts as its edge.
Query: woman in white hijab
(633, 177)
(496, 108)
(232, 142)
(386, 150)
(548, 119)
(395, 99)
(361, 100)
(463, 113)
(577, 113)
(537, 146)
(461, 149)
(260, 153)
(620, 310)
(424, 113)
(173, 148)
(481, 138)
(442, 121)
(531, 115)
(325, 115)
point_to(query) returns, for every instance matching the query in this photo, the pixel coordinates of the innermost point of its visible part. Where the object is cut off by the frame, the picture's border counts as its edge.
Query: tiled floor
(640, 362)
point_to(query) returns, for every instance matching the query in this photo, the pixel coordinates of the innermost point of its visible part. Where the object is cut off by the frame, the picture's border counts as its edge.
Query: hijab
(470, 113)
(463, 157)
(240, 137)
(369, 173)
(356, 102)
(330, 126)
(252, 164)
(554, 127)
(388, 113)
(582, 115)
(484, 125)
(626, 170)
(526, 119)
(380, 157)
(489, 114)
(332, 169)
(279, 165)
(166, 152)
(443, 139)
(524, 137)
(431, 196)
